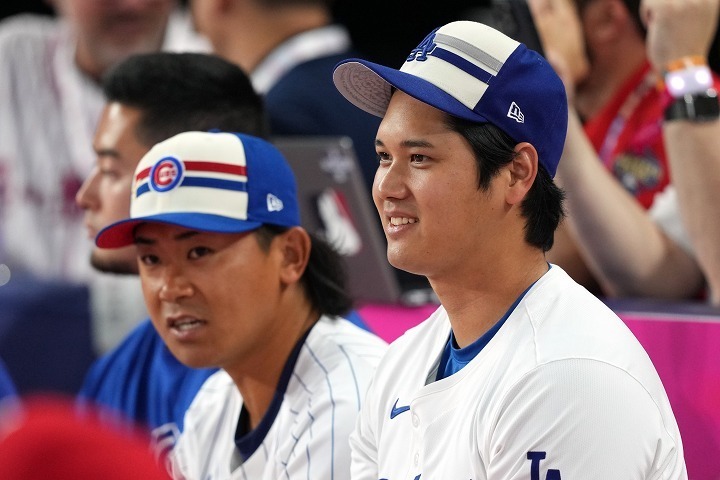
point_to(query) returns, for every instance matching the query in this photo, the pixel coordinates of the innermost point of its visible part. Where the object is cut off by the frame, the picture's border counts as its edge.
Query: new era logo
(274, 204)
(515, 113)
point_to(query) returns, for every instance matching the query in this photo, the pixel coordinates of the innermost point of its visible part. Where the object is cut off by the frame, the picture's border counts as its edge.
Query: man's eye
(149, 260)
(197, 252)
(108, 173)
(383, 156)
(418, 158)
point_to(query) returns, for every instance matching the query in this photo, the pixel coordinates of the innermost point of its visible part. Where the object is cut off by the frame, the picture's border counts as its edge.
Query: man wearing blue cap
(231, 280)
(521, 373)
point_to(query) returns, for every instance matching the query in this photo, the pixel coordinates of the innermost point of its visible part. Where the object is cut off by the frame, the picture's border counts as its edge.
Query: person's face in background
(105, 194)
(561, 27)
(108, 31)
(205, 21)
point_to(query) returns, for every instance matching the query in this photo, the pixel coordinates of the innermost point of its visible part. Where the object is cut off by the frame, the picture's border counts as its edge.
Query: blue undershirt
(453, 358)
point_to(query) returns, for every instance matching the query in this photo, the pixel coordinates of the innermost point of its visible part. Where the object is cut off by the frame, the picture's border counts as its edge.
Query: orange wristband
(685, 62)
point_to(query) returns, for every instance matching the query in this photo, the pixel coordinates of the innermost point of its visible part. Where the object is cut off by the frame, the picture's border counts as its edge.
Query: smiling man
(521, 373)
(231, 280)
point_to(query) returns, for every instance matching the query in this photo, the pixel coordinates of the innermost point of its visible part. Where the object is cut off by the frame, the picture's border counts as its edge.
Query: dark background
(382, 30)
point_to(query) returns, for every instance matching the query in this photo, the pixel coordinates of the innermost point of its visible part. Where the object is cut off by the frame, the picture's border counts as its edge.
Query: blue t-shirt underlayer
(454, 359)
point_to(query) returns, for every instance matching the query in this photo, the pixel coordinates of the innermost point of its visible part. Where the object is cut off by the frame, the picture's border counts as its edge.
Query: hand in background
(678, 28)
(560, 30)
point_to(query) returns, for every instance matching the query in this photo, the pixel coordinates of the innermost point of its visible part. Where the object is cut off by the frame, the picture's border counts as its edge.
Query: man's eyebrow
(143, 241)
(140, 240)
(408, 143)
(107, 152)
(186, 235)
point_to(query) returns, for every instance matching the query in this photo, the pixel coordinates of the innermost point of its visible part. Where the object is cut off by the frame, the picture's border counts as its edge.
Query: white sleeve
(363, 440)
(585, 419)
(665, 212)
(185, 449)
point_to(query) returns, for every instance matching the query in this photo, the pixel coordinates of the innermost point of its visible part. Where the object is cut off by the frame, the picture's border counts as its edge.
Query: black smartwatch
(697, 107)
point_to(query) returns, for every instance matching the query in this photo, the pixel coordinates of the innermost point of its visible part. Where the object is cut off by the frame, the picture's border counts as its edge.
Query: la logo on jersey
(535, 458)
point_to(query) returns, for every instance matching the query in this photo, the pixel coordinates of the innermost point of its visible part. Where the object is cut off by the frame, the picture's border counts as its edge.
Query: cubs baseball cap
(212, 182)
(471, 71)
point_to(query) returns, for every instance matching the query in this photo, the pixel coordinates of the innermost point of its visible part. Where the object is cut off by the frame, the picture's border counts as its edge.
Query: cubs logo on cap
(166, 174)
(213, 182)
(471, 71)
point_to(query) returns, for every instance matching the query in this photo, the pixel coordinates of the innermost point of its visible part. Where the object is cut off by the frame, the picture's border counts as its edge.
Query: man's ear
(295, 245)
(523, 169)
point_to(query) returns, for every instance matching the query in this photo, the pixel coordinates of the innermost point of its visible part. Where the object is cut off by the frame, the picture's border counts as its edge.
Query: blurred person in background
(50, 103)
(47, 439)
(623, 228)
(289, 49)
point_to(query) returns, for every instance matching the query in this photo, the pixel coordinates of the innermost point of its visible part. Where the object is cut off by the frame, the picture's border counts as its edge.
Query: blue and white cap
(212, 182)
(472, 71)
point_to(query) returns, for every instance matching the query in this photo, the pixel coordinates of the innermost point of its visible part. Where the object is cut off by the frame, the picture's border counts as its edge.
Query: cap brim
(122, 234)
(368, 86)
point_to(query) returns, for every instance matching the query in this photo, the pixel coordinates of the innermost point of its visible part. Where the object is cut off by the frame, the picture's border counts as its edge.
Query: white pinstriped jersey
(563, 390)
(308, 438)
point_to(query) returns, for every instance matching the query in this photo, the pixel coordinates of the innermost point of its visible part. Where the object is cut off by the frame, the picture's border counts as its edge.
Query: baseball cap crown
(471, 71)
(209, 181)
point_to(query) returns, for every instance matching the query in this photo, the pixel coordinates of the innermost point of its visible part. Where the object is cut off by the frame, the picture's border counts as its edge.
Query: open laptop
(336, 204)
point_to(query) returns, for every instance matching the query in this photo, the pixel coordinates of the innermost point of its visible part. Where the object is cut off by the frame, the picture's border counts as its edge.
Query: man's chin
(113, 265)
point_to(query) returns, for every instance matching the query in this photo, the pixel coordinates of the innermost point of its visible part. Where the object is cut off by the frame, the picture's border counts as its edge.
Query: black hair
(324, 279)
(179, 92)
(543, 205)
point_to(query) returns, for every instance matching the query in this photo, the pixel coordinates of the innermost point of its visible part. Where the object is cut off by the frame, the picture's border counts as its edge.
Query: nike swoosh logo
(398, 410)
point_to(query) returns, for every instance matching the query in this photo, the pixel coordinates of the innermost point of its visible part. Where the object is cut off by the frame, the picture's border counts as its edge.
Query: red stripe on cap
(142, 174)
(194, 165)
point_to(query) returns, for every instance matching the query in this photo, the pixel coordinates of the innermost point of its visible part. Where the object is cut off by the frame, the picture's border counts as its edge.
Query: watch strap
(699, 107)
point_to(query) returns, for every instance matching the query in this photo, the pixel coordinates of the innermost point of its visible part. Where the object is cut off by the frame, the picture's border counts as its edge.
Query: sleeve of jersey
(580, 418)
(180, 460)
(363, 439)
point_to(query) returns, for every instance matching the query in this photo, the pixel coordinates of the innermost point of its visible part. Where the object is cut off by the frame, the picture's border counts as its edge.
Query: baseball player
(231, 280)
(520, 373)
(140, 380)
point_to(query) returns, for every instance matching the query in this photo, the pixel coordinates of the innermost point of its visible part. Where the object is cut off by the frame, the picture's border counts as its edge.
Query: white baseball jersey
(563, 390)
(307, 438)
